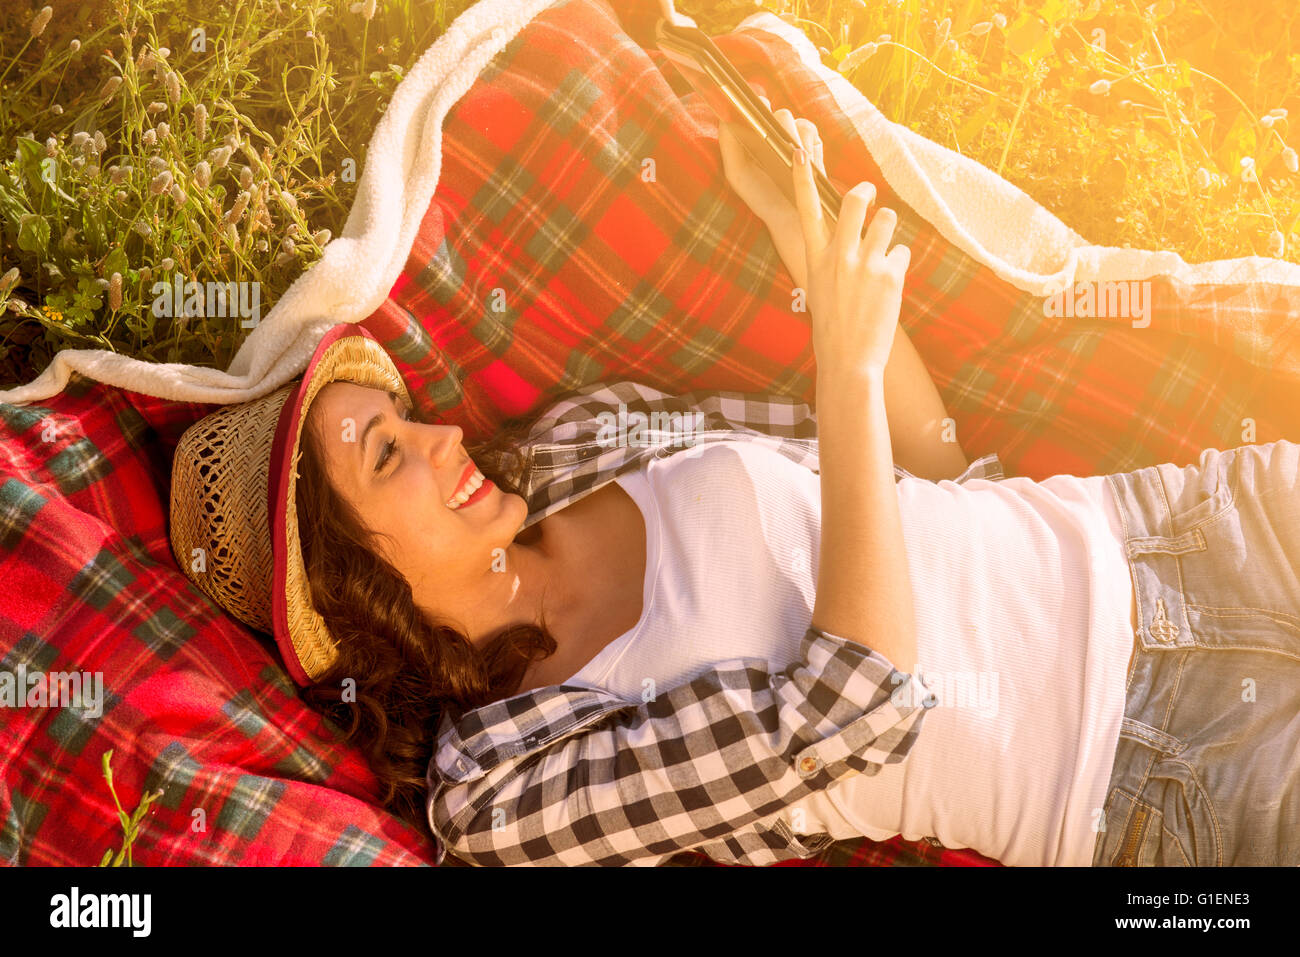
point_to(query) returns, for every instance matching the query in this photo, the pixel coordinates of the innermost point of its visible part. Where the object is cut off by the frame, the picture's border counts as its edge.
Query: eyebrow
(374, 420)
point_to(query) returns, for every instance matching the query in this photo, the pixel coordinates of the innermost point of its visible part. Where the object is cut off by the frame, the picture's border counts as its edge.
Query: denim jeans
(1207, 770)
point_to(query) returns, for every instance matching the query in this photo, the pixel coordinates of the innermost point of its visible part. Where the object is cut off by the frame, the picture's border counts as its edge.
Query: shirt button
(808, 766)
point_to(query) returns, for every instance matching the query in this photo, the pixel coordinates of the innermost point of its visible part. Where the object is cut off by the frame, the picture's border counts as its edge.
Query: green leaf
(34, 234)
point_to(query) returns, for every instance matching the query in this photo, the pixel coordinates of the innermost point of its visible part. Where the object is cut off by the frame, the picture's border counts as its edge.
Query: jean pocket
(1198, 494)
(1189, 831)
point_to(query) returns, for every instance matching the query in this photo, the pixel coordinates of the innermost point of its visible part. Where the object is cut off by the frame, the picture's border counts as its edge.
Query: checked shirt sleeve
(699, 765)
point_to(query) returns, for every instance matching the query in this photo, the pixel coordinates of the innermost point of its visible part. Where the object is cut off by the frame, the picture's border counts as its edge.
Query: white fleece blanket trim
(970, 205)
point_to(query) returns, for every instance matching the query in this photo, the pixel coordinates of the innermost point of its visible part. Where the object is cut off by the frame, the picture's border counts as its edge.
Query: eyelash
(391, 447)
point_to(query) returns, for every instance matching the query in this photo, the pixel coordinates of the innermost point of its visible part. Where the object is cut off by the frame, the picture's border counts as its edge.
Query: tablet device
(730, 96)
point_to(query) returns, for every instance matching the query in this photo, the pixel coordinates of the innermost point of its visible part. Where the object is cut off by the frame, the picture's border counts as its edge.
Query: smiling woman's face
(399, 474)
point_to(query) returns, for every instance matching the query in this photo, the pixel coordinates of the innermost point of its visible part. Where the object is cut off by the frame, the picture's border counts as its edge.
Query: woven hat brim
(350, 353)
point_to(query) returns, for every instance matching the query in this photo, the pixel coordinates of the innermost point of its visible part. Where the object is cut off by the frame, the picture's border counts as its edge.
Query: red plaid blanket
(581, 230)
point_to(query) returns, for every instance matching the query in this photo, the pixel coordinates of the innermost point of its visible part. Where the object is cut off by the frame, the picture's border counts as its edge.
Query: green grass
(1131, 122)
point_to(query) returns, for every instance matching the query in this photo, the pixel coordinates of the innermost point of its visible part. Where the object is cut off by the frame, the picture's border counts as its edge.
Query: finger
(808, 132)
(879, 232)
(853, 213)
(901, 257)
(812, 220)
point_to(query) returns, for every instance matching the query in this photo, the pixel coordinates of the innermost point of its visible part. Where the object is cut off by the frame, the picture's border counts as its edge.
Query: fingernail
(801, 156)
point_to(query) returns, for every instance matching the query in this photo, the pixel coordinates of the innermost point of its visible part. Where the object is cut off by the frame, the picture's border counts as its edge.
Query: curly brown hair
(406, 669)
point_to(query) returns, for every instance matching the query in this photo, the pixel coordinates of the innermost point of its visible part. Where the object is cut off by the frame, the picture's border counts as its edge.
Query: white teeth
(470, 488)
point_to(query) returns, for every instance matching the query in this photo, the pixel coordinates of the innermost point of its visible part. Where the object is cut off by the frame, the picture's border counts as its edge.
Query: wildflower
(1100, 87)
(120, 174)
(157, 164)
(110, 87)
(884, 38)
(1290, 160)
(143, 228)
(1266, 121)
(115, 291)
(1279, 112)
(168, 264)
(288, 245)
(157, 106)
(161, 183)
(9, 280)
(178, 194)
(232, 234)
(56, 109)
(164, 53)
(41, 21)
(320, 237)
(74, 45)
(120, 196)
(52, 314)
(856, 58)
(1247, 162)
(237, 209)
(101, 144)
(203, 174)
(1276, 244)
(219, 157)
(246, 178)
(941, 32)
(149, 137)
(79, 140)
(173, 84)
(288, 199)
(1202, 178)
(981, 28)
(262, 246)
(51, 146)
(200, 120)
(1000, 21)
(164, 130)
(146, 274)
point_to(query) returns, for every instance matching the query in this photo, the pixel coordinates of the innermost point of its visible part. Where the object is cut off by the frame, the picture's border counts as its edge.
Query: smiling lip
(464, 477)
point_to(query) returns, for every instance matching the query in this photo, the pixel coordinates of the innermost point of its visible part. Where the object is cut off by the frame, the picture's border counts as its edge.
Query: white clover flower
(1100, 87)
(203, 174)
(161, 183)
(1290, 160)
(981, 28)
(1000, 21)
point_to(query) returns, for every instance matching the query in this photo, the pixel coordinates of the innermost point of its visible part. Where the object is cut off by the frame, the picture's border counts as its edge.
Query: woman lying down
(756, 633)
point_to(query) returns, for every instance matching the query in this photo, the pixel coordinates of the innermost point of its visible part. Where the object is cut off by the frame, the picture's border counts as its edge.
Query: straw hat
(234, 523)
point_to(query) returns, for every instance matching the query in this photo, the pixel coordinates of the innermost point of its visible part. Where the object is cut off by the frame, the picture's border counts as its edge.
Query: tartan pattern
(1082, 396)
(569, 775)
(194, 704)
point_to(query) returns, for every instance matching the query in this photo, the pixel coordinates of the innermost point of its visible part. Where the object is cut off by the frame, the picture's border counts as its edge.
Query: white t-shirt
(1022, 597)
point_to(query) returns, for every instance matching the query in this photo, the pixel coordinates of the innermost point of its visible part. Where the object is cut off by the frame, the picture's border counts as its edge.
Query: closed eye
(390, 448)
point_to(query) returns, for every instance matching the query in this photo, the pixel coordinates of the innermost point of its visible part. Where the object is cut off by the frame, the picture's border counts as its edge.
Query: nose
(444, 444)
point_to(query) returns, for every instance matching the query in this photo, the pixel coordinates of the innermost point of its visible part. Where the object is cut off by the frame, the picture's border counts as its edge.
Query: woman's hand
(748, 178)
(855, 283)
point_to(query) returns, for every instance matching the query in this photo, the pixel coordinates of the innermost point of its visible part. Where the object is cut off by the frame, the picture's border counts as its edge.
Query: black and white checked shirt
(569, 775)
